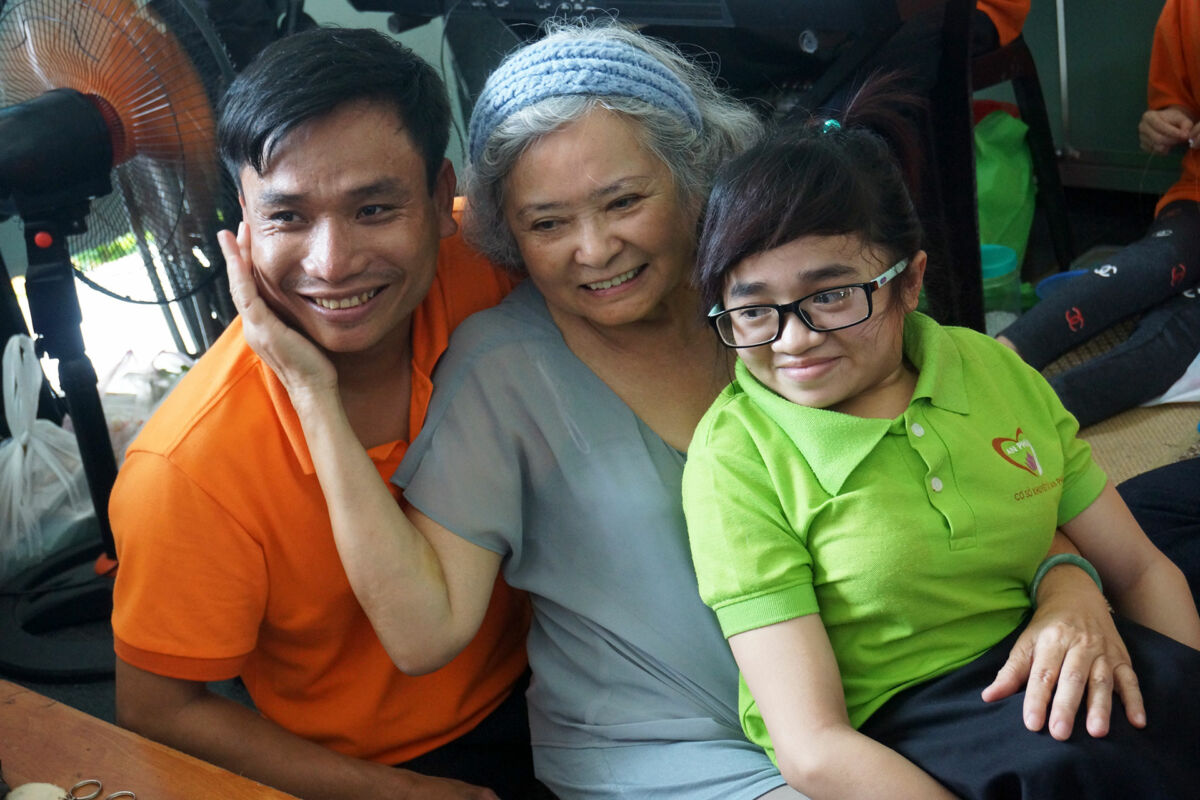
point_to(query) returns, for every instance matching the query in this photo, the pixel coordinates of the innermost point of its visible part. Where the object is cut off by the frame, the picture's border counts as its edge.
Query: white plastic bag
(43, 490)
(132, 391)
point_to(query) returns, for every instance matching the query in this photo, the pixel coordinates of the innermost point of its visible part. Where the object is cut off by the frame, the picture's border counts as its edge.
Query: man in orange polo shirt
(228, 565)
(996, 23)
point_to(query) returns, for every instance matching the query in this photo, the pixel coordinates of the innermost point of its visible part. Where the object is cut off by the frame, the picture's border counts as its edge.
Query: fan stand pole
(54, 310)
(67, 589)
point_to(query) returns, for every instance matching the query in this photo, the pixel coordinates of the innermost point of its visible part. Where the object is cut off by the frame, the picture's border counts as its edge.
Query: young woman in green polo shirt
(871, 502)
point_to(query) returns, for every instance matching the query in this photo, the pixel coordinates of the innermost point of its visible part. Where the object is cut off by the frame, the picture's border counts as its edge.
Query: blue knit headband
(553, 68)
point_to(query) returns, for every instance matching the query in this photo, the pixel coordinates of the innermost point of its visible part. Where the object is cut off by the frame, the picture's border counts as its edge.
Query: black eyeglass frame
(716, 312)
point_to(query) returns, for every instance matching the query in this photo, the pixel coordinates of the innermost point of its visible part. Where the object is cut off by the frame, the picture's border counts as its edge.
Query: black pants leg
(982, 750)
(495, 754)
(1166, 503)
(1162, 264)
(1156, 355)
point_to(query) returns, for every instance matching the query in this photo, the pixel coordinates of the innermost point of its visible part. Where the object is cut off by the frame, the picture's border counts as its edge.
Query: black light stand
(56, 316)
(55, 155)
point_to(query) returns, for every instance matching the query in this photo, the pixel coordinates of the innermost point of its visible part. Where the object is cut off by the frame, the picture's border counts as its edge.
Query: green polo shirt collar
(834, 444)
(940, 373)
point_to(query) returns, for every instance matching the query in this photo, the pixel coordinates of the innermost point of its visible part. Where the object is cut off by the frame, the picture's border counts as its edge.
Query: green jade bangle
(1052, 562)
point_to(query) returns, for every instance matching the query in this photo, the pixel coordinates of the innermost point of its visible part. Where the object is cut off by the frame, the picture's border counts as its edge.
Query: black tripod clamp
(56, 316)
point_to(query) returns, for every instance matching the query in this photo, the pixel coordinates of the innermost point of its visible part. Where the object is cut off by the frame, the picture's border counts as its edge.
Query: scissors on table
(79, 791)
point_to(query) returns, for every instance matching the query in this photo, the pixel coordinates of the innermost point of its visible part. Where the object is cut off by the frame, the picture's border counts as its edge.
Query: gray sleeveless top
(527, 453)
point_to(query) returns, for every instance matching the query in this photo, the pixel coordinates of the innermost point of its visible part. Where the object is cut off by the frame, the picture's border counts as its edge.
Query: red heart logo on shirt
(1018, 451)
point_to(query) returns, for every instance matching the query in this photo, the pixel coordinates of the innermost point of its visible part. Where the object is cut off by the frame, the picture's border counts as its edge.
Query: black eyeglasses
(827, 310)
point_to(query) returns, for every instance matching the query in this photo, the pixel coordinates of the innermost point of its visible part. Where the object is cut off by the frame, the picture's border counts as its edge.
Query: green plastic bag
(1004, 181)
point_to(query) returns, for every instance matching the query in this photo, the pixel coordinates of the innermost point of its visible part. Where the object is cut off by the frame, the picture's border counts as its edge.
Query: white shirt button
(917, 429)
(936, 483)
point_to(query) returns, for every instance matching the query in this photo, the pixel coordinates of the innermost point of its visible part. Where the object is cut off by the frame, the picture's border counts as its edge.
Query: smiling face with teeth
(859, 370)
(599, 222)
(344, 231)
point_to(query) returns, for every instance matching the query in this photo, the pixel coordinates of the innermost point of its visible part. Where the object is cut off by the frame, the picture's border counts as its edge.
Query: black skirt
(982, 750)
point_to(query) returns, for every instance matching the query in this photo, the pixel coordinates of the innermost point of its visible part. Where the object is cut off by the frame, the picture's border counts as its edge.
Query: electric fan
(107, 144)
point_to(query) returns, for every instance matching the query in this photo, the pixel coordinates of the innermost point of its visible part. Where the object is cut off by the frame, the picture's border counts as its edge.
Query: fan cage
(159, 67)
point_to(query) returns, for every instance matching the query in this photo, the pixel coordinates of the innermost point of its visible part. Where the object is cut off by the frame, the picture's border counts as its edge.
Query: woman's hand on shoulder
(299, 364)
(1070, 646)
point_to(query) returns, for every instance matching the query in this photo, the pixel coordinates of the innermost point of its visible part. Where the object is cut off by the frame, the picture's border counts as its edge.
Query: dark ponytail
(825, 176)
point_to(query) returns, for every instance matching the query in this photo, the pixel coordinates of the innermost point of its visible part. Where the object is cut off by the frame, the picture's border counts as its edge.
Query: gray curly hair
(691, 153)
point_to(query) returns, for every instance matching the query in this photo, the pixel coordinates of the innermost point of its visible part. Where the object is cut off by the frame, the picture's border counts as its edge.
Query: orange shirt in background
(1174, 76)
(1007, 15)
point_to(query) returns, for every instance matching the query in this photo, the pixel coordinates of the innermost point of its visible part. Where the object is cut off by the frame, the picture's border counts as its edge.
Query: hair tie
(831, 125)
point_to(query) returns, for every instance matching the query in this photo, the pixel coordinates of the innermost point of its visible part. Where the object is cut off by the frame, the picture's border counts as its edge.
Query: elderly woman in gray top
(556, 437)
